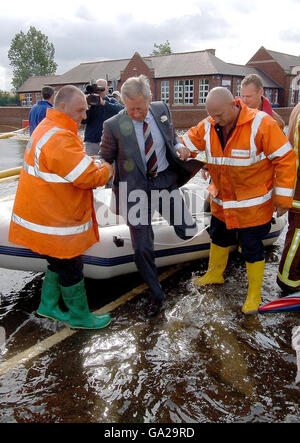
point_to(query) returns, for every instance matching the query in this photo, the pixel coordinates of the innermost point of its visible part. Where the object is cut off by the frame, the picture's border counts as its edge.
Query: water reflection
(12, 152)
(201, 360)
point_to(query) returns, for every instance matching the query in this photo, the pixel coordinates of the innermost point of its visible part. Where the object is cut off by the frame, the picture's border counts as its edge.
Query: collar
(62, 120)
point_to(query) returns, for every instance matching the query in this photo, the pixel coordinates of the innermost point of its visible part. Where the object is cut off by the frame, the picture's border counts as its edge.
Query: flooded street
(200, 360)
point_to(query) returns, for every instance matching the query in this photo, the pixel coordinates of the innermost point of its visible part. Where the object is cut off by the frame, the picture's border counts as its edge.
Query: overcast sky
(91, 30)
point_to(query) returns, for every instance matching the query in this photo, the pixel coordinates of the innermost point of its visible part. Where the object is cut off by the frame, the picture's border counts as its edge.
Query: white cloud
(88, 31)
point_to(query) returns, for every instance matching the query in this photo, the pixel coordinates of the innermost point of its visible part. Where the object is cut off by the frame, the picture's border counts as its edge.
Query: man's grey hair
(135, 86)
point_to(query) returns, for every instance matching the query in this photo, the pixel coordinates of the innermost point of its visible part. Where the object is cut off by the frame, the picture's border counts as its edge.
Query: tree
(7, 99)
(31, 54)
(162, 48)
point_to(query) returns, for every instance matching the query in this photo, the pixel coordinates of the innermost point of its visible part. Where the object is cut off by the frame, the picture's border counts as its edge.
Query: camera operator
(101, 107)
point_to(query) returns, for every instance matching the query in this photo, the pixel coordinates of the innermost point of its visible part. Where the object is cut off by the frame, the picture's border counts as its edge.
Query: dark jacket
(96, 115)
(119, 144)
(38, 113)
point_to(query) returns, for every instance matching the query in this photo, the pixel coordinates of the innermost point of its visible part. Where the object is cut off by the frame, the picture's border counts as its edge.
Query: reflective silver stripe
(207, 127)
(188, 143)
(228, 161)
(285, 192)
(79, 169)
(110, 168)
(240, 153)
(50, 230)
(281, 151)
(28, 146)
(42, 141)
(234, 204)
(254, 128)
(48, 176)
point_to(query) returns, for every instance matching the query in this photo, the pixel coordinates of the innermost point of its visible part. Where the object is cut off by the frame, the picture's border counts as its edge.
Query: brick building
(284, 69)
(180, 79)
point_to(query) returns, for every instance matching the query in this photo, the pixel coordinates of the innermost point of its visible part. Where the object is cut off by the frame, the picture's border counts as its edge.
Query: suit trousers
(142, 235)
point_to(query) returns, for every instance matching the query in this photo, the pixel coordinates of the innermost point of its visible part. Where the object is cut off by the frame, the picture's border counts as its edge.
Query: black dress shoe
(153, 308)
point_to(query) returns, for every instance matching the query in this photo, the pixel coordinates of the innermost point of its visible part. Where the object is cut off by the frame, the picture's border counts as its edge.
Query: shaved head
(72, 102)
(221, 106)
(219, 95)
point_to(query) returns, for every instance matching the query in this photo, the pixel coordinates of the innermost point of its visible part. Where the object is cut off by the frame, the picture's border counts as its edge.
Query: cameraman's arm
(112, 109)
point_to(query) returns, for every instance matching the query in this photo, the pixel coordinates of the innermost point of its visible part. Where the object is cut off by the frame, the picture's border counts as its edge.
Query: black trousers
(70, 271)
(250, 238)
(142, 235)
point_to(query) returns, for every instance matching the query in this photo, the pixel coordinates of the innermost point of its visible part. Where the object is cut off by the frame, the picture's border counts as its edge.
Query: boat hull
(113, 254)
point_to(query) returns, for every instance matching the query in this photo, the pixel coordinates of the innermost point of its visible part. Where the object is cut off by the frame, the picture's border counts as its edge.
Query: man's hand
(183, 152)
(280, 211)
(102, 101)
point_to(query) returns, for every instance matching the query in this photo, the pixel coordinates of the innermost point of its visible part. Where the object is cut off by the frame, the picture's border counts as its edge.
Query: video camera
(91, 91)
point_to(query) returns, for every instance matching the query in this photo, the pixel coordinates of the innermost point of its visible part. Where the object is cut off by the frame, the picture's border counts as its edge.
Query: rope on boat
(171, 244)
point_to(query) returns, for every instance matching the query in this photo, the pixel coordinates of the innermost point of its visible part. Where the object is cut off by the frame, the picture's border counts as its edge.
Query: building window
(268, 94)
(28, 99)
(183, 92)
(37, 96)
(203, 90)
(238, 87)
(293, 94)
(226, 83)
(165, 91)
(275, 97)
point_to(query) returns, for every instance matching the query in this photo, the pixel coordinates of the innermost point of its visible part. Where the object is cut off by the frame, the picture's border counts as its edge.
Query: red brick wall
(136, 67)
(13, 116)
(266, 63)
(183, 117)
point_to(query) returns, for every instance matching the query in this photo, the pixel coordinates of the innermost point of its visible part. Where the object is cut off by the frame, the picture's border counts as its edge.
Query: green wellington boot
(80, 317)
(49, 299)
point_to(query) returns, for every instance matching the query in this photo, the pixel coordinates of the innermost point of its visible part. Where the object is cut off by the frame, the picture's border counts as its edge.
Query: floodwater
(200, 360)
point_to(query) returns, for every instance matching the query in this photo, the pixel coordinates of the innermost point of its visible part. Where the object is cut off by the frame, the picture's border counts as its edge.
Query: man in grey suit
(150, 161)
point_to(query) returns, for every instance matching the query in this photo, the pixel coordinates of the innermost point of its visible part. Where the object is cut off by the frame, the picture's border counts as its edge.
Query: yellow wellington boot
(218, 258)
(255, 274)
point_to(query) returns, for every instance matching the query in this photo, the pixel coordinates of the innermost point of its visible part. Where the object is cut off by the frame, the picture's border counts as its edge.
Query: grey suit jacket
(119, 145)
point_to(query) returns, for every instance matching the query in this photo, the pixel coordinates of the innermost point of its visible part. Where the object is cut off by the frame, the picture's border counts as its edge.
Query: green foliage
(7, 99)
(162, 48)
(31, 54)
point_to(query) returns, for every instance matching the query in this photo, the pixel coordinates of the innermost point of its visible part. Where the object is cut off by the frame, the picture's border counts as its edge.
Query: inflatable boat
(113, 255)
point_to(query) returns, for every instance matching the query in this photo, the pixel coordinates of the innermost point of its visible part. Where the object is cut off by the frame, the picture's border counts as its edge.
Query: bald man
(53, 213)
(253, 168)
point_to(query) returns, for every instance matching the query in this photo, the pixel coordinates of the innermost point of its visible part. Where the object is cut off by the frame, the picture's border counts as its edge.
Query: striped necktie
(151, 159)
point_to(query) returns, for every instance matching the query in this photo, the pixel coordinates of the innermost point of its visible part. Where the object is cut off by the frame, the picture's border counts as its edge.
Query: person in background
(38, 111)
(253, 167)
(96, 116)
(252, 95)
(53, 212)
(288, 277)
(117, 96)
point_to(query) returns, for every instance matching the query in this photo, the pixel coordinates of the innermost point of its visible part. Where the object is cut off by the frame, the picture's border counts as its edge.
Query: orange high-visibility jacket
(53, 212)
(255, 172)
